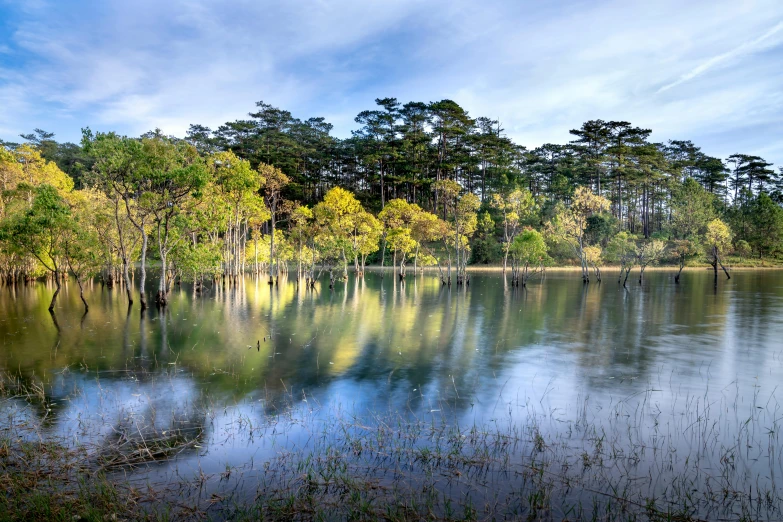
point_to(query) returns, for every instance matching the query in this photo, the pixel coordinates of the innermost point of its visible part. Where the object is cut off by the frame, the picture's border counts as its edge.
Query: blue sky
(709, 71)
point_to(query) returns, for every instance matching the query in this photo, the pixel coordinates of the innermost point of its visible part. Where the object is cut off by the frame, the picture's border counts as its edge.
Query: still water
(659, 354)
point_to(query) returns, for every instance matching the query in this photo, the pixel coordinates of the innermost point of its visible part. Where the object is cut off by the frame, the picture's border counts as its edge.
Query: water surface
(640, 360)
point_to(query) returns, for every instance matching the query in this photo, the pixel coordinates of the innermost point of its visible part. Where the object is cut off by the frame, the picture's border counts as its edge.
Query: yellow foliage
(718, 235)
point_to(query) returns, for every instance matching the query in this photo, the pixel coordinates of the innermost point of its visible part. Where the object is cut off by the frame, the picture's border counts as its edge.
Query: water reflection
(377, 342)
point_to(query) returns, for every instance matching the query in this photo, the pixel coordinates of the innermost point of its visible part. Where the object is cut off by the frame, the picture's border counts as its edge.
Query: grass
(635, 461)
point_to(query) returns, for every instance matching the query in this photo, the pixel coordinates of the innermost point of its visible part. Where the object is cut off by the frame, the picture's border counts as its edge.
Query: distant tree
(749, 172)
(273, 182)
(44, 142)
(485, 248)
(367, 230)
(622, 250)
(593, 139)
(337, 214)
(427, 228)
(301, 234)
(515, 207)
(600, 228)
(570, 224)
(115, 173)
(529, 248)
(717, 240)
(743, 249)
(766, 225)
(593, 257)
(40, 231)
(692, 209)
(82, 251)
(461, 208)
(395, 216)
(685, 250)
(648, 253)
(171, 174)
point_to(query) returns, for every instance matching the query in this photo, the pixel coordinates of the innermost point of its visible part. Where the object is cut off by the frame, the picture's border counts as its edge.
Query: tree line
(421, 184)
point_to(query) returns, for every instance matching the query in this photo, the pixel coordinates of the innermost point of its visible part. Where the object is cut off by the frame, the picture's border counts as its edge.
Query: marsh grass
(700, 460)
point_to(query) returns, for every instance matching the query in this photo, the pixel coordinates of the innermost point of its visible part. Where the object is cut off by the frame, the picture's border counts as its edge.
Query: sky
(708, 71)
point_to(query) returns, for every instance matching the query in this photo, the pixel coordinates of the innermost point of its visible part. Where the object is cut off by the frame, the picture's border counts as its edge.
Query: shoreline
(567, 268)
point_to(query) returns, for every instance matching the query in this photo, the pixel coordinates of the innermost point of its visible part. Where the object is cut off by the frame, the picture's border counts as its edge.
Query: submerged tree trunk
(679, 272)
(627, 273)
(56, 291)
(583, 262)
(163, 284)
(505, 254)
(724, 269)
(715, 262)
(272, 250)
(81, 294)
(299, 263)
(143, 278)
(383, 254)
(126, 276)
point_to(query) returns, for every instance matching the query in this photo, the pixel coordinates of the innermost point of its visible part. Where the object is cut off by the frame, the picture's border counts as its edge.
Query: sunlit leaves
(718, 235)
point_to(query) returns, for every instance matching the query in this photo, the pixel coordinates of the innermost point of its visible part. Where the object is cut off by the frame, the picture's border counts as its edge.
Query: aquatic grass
(701, 459)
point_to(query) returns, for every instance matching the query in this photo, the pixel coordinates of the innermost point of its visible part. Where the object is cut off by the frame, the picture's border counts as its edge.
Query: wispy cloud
(542, 68)
(740, 50)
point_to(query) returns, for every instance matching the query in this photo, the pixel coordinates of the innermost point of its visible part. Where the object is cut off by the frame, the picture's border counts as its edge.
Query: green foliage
(718, 236)
(765, 233)
(600, 228)
(485, 248)
(412, 176)
(686, 250)
(621, 249)
(41, 230)
(742, 248)
(529, 248)
(692, 210)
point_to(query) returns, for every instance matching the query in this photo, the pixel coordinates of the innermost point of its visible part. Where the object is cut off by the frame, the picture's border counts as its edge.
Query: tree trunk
(126, 276)
(299, 263)
(162, 286)
(143, 278)
(56, 291)
(383, 254)
(724, 269)
(81, 294)
(272, 250)
(715, 270)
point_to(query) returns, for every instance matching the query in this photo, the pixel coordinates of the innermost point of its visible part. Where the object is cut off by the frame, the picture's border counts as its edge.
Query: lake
(656, 391)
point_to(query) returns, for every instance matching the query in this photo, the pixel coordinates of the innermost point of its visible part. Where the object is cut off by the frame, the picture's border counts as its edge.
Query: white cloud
(681, 68)
(742, 49)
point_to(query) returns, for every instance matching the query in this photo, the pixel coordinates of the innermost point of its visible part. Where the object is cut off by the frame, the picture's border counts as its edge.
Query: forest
(416, 185)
